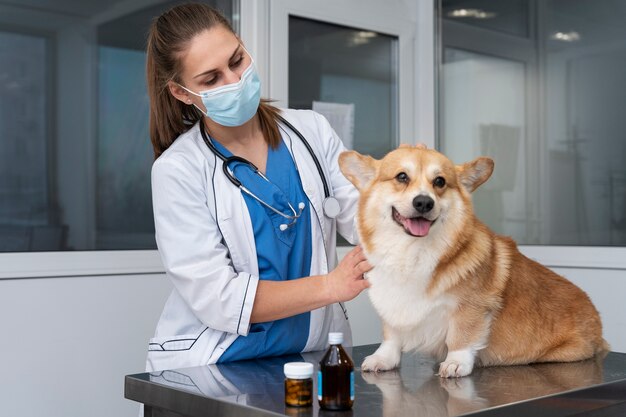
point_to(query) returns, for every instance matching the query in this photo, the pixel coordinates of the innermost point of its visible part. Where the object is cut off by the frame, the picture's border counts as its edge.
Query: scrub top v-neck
(281, 255)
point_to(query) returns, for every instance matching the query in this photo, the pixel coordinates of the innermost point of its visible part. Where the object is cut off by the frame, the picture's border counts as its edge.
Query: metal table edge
(153, 394)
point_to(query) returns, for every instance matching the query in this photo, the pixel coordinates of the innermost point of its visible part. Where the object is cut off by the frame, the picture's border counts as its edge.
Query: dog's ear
(473, 174)
(359, 169)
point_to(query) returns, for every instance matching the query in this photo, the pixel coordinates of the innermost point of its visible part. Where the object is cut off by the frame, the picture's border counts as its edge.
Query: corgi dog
(444, 284)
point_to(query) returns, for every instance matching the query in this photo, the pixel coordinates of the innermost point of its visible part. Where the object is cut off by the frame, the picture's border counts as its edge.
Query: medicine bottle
(298, 384)
(335, 379)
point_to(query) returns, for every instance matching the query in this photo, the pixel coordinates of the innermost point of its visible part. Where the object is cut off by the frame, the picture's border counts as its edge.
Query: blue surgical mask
(233, 104)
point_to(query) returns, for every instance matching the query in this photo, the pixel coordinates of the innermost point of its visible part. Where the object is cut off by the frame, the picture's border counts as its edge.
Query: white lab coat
(206, 242)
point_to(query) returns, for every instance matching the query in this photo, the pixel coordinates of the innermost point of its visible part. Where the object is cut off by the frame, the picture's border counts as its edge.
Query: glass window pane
(75, 155)
(25, 210)
(124, 217)
(553, 121)
(483, 114)
(585, 130)
(507, 16)
(335, 64)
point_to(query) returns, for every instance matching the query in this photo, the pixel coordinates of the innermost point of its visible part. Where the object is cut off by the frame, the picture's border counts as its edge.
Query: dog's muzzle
(415, 226)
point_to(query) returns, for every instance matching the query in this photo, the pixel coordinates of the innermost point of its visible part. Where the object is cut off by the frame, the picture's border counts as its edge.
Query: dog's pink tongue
(417, 227)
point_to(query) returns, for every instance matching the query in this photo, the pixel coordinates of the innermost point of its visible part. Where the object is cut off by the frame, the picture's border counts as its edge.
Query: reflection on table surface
(414, 389)
(484, 388)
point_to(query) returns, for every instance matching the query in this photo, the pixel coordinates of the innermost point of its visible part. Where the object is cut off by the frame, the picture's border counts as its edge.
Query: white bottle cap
(298, 370)
(335, 338)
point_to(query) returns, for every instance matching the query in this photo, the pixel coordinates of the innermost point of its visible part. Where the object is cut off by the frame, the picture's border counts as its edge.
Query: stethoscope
(330, 205)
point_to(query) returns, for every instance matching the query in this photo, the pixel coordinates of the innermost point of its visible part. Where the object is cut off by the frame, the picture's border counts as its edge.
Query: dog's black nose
(423, 204)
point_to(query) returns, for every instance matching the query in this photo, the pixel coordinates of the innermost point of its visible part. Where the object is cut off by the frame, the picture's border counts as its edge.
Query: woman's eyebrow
(213, 70)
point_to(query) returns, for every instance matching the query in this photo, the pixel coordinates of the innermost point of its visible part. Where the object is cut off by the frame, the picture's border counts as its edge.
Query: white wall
(606, 288)
(68, 342)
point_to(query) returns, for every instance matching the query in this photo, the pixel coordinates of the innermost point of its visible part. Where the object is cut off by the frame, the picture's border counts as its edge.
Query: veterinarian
(247, 202)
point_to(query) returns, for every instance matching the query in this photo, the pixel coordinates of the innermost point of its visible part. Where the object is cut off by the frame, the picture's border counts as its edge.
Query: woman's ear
(179, 92)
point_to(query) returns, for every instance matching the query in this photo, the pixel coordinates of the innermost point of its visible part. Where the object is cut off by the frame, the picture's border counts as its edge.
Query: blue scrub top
(281, 255)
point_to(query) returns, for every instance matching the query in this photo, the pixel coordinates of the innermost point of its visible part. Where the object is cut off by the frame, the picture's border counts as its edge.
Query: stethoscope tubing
(226, 161)
(234, 180)
(310, 149)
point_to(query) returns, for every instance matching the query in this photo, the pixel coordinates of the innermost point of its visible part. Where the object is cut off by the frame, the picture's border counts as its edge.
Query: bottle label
(319, 385)
(352, 386)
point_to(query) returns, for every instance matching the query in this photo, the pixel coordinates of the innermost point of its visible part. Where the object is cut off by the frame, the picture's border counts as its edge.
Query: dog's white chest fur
(398, 293)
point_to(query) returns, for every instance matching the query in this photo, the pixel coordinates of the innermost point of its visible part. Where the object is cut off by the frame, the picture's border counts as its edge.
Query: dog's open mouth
(415, 226)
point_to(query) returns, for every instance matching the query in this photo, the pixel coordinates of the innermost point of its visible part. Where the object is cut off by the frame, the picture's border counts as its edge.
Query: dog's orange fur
(524, 311)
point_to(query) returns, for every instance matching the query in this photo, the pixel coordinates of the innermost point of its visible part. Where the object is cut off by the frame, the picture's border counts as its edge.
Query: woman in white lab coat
(251, 252)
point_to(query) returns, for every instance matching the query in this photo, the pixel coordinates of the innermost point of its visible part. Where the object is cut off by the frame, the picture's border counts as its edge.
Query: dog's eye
(439, 182)
(402, 177)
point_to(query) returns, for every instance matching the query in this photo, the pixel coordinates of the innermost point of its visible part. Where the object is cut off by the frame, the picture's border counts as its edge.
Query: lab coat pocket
(174, 343)
(180, 351)
(236, 244)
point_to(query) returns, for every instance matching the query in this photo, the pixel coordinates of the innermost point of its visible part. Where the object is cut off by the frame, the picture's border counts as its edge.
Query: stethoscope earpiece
(293, 218)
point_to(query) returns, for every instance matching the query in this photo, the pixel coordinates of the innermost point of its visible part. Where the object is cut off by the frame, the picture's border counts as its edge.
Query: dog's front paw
(454, 369)
(377, 363)
(458, 363)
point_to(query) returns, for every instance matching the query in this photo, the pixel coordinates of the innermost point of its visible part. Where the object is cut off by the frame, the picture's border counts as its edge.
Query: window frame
(349, 13)
(19, 265)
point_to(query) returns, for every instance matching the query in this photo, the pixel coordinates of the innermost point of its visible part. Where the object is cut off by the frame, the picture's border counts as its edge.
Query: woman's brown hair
(168, 38)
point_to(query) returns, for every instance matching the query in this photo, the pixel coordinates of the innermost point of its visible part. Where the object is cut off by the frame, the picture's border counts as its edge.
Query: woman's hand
(346, 281)
(276, 300)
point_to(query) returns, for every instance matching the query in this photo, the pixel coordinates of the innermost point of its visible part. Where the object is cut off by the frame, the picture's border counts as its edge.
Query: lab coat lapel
(234, 222)
(312, 186)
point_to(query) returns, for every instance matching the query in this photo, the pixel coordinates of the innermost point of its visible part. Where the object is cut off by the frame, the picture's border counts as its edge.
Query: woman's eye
(237, 62)
(439, 182)
(211, 81)
(402, 177)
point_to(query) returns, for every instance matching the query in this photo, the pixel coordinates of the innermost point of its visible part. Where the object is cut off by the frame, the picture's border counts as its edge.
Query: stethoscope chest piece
(331, 207)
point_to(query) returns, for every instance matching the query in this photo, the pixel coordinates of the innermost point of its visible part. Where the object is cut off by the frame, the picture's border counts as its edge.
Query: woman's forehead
(210, 49)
